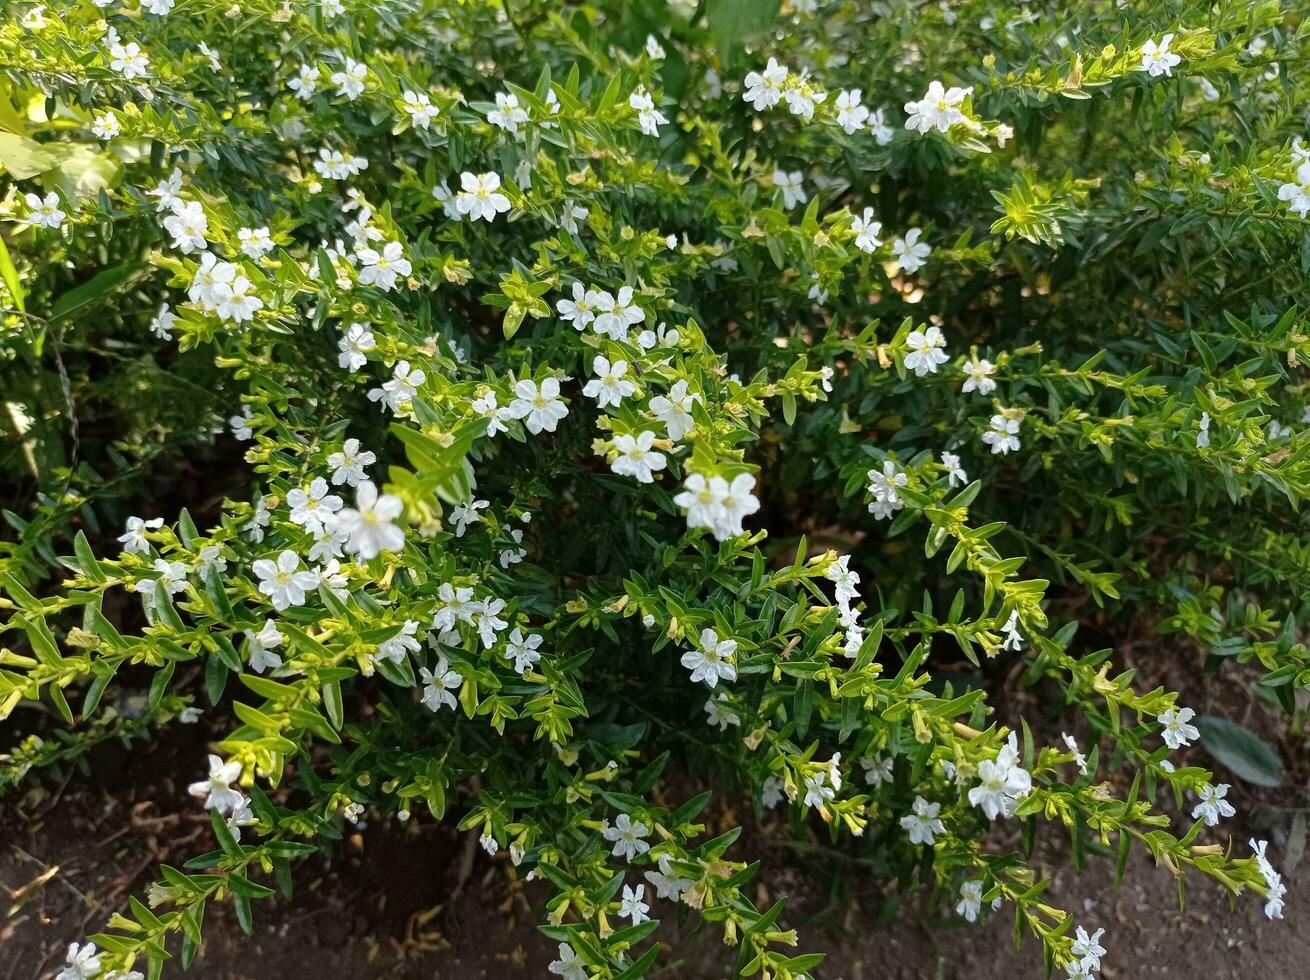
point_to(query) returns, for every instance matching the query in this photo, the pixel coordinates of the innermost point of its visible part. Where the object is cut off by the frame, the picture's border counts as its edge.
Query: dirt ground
(405, 902)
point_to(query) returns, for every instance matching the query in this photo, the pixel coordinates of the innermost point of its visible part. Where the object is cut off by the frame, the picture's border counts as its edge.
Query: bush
(531, 319)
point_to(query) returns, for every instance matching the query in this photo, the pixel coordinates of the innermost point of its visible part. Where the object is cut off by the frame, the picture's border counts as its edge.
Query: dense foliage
(574, 397)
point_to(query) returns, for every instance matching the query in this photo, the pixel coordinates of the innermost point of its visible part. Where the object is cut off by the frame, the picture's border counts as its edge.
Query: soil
(421, 901)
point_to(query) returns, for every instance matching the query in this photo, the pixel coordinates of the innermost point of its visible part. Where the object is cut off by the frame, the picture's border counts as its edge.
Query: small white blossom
(370, 523)
(712, 661)
(1157, 59)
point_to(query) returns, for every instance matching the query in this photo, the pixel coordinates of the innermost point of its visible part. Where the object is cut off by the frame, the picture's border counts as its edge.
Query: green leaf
(24, 158)
(100, 285)
(1240, 751)
(735, 21)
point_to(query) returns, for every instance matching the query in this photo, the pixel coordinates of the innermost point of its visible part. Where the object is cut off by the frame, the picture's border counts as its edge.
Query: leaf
(1240, 751)
(734, 21)
(24, 158)
(100, 285)
(10, 277)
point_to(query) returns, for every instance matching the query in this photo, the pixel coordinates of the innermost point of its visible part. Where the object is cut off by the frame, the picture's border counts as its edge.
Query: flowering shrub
(624, 387)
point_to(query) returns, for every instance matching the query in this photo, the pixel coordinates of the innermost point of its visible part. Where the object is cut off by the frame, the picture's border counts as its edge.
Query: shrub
(531, 319)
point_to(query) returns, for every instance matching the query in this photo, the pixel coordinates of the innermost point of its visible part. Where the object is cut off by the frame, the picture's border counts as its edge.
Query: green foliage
(702, 410)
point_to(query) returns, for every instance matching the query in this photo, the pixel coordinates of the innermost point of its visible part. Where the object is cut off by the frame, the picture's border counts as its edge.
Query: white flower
(789, 184)
(354, 345)
(1079, 759)
(851, 116)
(217, 787)
(712, 662)
(617, 314)
(313, 508)
(105, 126)
(1274, 887)
(632, 905)
(1003, 436)
(402, 387)
(215, 64)
(480, 196)
(802, 96)
(720, 713)
(923, 824)
(1013, 638)
(305, 82)
(369, 523)
(420, 108)
(437, 685)
(627, 837)
(883, 484)
(161, 324)
(350, 79)
(166, 191)
(83, 963)
(970, 903)
(979, 376)
(1088, 949)
(487, 620)
(172, 577)
(771, 793)
(736, 501)
(882, 131)
(877, 769)
(157, 7)
(508, 114)
(1212, 806)
(133, 538)
(454, 605)
(349, 463)
(1177, 732)
(955, 475)
(395, 647)
(653, 47)
(817, 790)
(581, 309)
(465, 514)
(236, 300)
(674, 410)
(381, 269)
(569, 966)
(283, 580)
(610, 386)
(339, 164)
(240, 425)
(636, 458)
(262, 645)
(939, 108)
(764, 89)
(540, 406)
(188, 226)
(129, 60)
(1297, 193)
(648, 117)
(1157, 59)
(1203, 431)
(255, 242)
(486, 407)
(927, 351)
(523, 650)
(44, 213)
(715, 504)
(910, 252)
(866, 231)
(1002, 783)
(210, 274)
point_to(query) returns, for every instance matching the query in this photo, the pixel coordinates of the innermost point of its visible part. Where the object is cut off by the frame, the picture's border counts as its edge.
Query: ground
(421, 901)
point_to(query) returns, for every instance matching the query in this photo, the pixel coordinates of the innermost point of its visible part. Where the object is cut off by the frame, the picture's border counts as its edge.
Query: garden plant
(580, 405)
